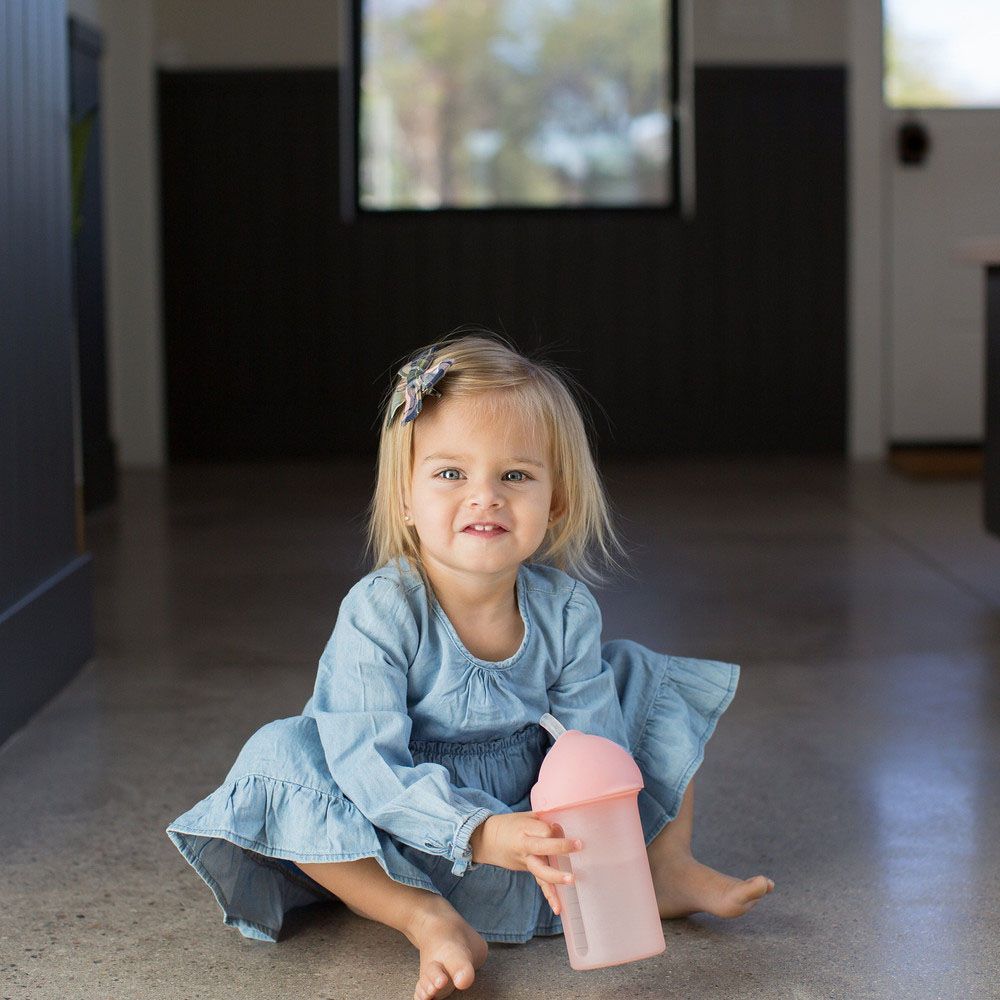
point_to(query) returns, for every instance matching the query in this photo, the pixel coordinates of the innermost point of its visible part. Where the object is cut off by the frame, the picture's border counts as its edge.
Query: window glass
(514, 103)
(942, 54)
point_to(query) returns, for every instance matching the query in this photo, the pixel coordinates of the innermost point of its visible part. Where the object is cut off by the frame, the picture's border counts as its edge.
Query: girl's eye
(516, 472)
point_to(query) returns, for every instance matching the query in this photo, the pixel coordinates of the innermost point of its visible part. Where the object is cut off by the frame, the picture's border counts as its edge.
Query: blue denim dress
(408, 742)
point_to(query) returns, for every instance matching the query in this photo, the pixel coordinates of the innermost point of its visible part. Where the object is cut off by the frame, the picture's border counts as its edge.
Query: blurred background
(739, 224)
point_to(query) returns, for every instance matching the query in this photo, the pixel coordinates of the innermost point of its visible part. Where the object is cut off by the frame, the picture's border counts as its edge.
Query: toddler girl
(403, 787)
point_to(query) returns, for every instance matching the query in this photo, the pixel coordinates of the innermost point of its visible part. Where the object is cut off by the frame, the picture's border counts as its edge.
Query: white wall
(262, 33)
(773, 32)
(196, 33)
(867, 371)
(130, 182)
(131, 191)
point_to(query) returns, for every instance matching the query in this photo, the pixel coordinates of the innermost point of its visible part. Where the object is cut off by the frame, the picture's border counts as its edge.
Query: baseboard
(938, 461)
(45, 638)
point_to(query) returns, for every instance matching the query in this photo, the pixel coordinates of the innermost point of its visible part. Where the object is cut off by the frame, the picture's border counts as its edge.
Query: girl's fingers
(545, 891)
(554, 845)
(550, 895)
(540, 870)
(544, 831)
(554, 903)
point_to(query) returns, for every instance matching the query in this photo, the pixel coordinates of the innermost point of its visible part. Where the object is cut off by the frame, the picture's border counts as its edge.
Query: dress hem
(265, 933)
(702, 740)
(178, 836)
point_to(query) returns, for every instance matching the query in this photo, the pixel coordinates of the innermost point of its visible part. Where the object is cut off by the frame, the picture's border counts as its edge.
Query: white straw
(552, 725)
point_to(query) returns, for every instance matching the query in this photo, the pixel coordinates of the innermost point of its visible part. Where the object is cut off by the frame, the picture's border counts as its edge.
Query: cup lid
(581, 768)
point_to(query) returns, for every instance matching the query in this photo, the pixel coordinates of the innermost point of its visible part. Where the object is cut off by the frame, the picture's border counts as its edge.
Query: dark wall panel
(725, 333)
(46, 627)
(99, 464)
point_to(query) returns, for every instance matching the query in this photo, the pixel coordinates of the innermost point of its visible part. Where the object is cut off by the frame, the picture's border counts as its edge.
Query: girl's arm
(360, 708)
(584, 695)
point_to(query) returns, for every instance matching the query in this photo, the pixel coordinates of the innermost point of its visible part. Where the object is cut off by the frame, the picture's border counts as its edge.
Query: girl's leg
(450, 950)
(685, 886)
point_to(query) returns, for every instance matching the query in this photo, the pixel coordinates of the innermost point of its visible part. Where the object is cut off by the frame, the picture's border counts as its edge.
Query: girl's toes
(461, 972)
(433, 983)
(750, 891)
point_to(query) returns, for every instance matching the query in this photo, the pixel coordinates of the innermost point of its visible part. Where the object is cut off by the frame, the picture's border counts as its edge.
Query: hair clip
(417, 379)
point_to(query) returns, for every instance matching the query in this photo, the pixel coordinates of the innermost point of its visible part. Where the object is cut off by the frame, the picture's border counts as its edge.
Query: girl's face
(466, 469)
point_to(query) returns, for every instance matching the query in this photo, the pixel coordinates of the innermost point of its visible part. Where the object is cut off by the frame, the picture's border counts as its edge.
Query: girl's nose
(484, 495)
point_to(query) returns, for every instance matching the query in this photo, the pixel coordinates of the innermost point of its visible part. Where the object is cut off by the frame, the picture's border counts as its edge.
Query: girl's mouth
(484, 533)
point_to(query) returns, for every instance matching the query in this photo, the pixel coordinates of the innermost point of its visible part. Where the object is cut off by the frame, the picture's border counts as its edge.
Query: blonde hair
(489, 371)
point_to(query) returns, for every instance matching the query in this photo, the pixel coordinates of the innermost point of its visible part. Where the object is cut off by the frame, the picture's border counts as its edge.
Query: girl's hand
(522, 842)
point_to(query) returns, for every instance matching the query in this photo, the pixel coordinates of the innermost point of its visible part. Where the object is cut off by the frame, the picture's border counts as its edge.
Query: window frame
(350, 73)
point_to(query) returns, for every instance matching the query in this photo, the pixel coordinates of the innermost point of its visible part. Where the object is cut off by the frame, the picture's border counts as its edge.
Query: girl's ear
(556, 512)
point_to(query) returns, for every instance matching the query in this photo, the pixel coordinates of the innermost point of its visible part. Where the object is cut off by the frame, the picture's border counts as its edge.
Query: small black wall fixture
(912, 143)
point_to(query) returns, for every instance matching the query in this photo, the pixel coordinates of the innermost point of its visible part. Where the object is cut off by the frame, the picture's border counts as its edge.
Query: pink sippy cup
(589, 785)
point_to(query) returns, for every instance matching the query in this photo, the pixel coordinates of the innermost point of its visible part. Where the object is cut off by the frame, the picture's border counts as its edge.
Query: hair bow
(417, 379)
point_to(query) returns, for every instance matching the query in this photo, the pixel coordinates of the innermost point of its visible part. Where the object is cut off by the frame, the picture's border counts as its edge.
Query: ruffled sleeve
(360, 707)
(584, 695)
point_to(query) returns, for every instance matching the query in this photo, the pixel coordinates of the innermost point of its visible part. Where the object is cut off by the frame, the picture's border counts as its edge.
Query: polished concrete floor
(858, 766)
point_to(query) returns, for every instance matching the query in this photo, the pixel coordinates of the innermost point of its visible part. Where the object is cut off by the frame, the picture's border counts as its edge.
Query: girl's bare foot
(450, 951)
(685, 886)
